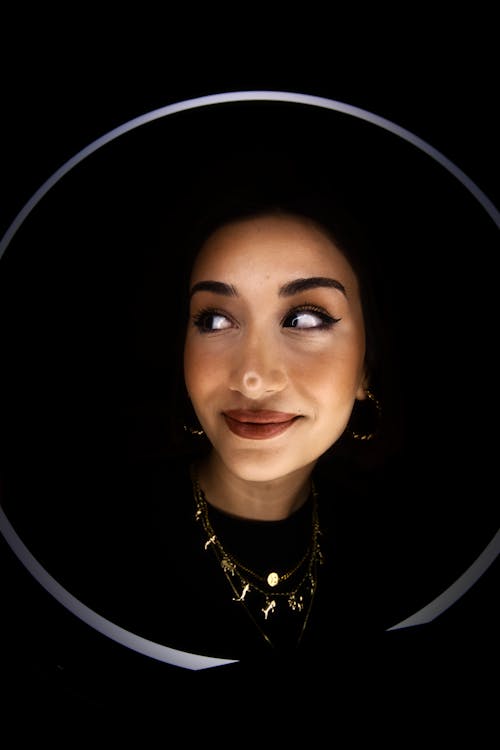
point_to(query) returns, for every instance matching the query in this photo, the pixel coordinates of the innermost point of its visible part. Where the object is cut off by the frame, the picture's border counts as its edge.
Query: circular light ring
(96, 621)
(149, 648)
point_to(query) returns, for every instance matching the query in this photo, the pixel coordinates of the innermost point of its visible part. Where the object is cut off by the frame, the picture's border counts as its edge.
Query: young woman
(257, 548)
(274, 361)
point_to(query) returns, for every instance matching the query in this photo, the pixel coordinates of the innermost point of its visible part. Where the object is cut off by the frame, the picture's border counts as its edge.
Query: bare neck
(271, 500)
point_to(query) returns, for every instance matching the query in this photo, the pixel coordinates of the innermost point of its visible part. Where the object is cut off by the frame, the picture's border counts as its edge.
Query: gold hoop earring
(369, 435)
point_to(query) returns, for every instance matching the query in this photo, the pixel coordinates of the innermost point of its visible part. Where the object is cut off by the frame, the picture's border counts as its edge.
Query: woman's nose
(258, 369)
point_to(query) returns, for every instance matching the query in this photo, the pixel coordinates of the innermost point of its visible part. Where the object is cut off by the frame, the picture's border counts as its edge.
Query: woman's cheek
(211, 370)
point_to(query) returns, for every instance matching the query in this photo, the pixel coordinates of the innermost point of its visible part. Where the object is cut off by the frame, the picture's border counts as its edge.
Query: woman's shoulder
(372, 538)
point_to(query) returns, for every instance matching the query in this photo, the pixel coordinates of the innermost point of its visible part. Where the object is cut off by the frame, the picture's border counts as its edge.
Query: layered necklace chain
(266, 591)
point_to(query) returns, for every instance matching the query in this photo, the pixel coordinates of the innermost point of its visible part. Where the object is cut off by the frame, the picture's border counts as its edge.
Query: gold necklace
(245, 582)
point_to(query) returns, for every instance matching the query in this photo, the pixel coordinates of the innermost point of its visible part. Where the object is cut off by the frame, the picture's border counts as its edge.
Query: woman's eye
(208, 320)
(307, 319)
(211, 321)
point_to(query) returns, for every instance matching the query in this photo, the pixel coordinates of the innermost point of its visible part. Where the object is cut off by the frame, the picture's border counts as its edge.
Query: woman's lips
(258, 425)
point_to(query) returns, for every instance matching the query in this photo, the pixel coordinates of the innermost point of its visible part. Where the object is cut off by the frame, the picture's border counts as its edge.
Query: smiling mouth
(259, 425)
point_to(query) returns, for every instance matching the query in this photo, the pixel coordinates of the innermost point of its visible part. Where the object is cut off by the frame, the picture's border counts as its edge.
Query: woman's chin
(263, 468)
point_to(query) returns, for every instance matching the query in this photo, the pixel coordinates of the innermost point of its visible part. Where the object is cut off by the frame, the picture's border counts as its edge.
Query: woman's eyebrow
(218, 287)
(287, 290)
(301, 285)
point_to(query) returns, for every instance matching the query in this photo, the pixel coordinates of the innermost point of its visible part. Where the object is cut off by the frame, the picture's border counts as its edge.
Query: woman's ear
(363, 387)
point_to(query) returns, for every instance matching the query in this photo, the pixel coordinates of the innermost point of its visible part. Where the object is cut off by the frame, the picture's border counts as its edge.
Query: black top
(136, 555)
(127, 544)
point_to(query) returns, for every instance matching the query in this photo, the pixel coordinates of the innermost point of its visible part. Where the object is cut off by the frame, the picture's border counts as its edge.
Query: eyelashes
(307, 313)
(222, 320)
(305, 317)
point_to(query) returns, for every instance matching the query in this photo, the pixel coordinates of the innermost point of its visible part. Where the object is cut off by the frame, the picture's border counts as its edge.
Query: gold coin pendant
(273, 579)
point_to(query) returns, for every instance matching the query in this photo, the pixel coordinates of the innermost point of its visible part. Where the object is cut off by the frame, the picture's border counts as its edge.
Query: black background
(56, 100)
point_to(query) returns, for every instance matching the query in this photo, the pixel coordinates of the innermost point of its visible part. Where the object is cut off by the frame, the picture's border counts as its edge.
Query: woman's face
(275, 344)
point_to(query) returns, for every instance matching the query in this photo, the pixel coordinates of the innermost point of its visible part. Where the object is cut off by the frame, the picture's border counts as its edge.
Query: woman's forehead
(272, 244)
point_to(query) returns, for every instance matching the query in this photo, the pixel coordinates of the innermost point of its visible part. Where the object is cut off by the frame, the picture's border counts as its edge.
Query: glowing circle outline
(150, 648)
